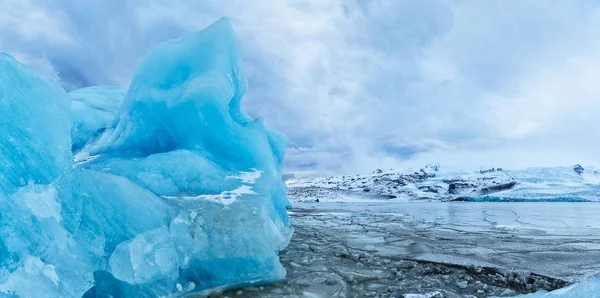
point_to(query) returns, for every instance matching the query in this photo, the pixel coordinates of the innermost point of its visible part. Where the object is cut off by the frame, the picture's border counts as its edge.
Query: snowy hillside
(430, 183)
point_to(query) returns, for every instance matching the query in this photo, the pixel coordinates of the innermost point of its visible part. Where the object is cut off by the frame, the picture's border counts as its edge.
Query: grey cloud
(356, 84)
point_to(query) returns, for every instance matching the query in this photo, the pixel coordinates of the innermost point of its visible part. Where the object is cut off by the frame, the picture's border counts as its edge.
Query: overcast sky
(362, 84)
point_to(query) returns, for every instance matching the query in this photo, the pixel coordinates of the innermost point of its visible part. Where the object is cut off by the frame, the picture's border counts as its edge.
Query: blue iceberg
(173, 189)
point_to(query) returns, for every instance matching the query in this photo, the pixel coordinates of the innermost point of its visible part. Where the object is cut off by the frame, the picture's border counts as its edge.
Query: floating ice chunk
(147, 257)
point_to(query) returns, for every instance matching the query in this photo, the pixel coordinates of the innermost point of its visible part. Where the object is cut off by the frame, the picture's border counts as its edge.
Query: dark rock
(430, 188)
(497, 188)
(578, 169)
(456, 185)
(330, 281)
(487, 171)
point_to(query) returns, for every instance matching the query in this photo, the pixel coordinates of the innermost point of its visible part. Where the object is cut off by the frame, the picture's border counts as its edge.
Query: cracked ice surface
(389, 249)
(175, 189)
(555, 239)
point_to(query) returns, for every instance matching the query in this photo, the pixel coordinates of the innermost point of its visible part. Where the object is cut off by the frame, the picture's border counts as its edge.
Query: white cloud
(31, 21)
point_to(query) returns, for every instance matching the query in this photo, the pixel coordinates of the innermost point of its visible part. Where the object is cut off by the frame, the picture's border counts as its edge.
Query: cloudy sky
(361, 84)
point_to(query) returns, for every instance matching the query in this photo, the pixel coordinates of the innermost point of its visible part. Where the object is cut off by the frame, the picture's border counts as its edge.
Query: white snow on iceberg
(180, 191)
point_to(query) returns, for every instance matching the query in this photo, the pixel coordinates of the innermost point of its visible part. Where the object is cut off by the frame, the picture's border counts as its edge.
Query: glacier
(163, 189)
(542, 184)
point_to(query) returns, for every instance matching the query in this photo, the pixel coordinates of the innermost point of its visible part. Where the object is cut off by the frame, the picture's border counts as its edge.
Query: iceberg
(173, 189)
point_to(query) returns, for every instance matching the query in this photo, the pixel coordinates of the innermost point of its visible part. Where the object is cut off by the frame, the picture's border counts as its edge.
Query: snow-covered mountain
(429, 183)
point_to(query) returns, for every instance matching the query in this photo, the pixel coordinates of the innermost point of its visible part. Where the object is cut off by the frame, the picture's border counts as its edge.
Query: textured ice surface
(92, 110)
(179, 192)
